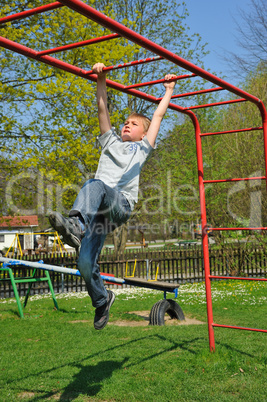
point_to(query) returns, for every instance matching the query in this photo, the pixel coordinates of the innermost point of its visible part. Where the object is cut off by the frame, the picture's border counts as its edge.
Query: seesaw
(157, 313)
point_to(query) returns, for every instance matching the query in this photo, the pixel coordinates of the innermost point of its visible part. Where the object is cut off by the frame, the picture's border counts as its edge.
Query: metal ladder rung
(242, 130)
(237, 179)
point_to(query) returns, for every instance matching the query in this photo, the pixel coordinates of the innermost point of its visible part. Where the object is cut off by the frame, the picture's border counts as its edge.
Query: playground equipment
(127, 275)
(119, 30)
(15, 245)
(6, 266)
(148, 271)
(158, 311)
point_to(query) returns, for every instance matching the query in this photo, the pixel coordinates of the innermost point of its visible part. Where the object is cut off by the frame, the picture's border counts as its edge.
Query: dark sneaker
(69, 228)
(102, 312)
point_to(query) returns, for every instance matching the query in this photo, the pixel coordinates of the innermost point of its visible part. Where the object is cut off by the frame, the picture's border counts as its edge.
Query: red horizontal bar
(33, 11)
(202, 91)
(143, 84)
(237, 278)
(79, 44)
(216, 104)
(224, 229)
(229, 180)
(233, 131)
(242, 328)
(131, 63)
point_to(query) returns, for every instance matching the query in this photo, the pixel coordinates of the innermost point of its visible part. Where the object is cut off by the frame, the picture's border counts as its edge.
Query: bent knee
(96, 183)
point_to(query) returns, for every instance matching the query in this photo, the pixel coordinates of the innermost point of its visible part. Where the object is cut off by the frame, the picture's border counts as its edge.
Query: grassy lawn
(58, 356)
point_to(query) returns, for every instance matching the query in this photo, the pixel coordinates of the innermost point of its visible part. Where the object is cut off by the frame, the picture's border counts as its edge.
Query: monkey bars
(118, 30)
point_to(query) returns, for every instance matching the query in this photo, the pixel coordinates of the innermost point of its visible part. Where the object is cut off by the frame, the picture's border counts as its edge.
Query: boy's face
(133, 130)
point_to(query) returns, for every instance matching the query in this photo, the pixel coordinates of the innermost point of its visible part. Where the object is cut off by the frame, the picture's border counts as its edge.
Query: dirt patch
(78, 321)
(24, 395)
(145, 321)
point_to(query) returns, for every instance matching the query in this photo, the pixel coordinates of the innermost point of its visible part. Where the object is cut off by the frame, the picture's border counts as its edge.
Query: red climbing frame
(120, 30)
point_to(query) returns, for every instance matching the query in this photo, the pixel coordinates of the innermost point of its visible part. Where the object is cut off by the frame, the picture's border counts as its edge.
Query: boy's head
(135, 127)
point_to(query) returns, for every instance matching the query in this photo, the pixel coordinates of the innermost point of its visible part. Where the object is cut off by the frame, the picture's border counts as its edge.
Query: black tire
(163, 307)
(153, 315)
(175, 310)
(158, 311)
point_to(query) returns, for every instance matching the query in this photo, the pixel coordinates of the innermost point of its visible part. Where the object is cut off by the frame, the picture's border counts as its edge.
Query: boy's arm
(161, 110)
(101, 96)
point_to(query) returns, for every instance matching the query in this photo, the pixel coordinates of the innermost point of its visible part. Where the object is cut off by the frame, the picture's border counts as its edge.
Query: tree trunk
(120, 239)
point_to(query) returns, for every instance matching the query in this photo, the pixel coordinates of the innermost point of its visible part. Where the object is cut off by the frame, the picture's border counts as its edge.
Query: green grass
(58, 356)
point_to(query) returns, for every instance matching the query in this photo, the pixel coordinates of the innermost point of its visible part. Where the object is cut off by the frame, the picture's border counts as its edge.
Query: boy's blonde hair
(145, 120)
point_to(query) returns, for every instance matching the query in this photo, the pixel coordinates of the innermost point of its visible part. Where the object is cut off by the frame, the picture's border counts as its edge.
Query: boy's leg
(100, 209)
(93, 198)
(102, 212)
(91, 247)
(96, 197)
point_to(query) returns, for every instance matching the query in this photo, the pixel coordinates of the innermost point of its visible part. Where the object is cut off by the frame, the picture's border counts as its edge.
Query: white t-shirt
(121, 162)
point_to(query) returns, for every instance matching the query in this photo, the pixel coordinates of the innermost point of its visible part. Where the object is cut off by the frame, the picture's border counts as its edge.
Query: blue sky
(214, 21)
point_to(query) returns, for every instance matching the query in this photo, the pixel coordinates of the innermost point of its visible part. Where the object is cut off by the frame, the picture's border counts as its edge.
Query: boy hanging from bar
(107, 201)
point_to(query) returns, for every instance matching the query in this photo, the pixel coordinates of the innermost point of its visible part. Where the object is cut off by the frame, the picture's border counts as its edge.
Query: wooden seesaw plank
(157, 285)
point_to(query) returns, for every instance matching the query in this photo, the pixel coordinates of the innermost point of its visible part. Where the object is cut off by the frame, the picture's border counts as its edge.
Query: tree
(48, 121)
(252, 38)
(170, 185)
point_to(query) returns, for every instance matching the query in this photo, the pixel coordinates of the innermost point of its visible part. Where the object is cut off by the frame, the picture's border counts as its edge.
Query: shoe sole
(58, 224)
(110, 304)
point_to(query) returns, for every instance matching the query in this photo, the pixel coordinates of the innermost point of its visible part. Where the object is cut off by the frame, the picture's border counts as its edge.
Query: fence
(173, 264)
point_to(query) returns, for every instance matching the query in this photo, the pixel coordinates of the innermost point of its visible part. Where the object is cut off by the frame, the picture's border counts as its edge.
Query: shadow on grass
(90, 378)
(232, 349)
(88, 381)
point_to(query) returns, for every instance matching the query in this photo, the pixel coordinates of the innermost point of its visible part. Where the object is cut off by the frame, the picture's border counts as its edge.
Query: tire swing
(162, 307)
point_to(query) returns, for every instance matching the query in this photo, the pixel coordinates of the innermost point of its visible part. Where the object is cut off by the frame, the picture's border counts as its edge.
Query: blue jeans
(102, 210)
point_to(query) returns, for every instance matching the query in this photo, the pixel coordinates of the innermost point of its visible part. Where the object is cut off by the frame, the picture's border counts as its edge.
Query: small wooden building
(21, 226)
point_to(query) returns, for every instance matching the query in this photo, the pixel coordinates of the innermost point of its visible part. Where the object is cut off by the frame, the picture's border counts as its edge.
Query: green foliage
(169, 184)
(49, 118)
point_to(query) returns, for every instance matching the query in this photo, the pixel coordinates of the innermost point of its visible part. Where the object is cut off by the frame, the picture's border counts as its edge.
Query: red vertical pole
(205, 241)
